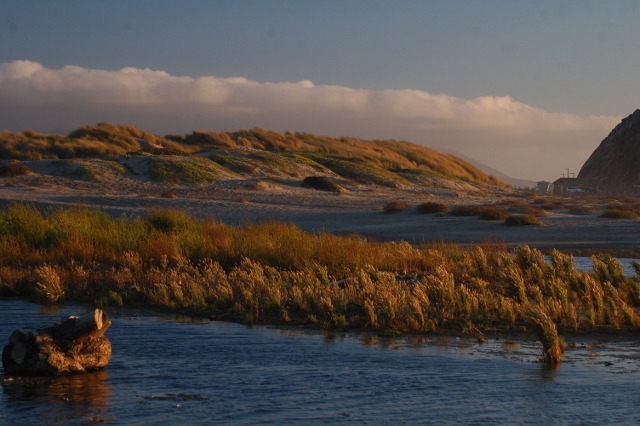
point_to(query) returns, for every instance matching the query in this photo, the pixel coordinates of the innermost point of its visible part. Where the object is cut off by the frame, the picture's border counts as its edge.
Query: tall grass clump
(619, 214)
(533, 211)
(467, 210)
(395, 206)
(277, 272)
(49, 287)
(521, 220)
(493, 213)
(553, 346)
(432, 207)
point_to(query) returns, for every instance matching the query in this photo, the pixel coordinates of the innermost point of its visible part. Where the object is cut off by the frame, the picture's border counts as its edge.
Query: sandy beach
(357, 210)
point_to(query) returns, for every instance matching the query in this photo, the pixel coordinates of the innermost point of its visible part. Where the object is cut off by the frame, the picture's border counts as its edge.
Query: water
(172, 370)
(582, 263)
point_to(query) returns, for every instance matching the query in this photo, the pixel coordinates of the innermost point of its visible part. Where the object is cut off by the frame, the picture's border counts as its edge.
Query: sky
(528, 88)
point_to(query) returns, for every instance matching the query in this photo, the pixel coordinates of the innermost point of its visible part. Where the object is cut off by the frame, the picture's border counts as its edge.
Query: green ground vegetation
(191, 170)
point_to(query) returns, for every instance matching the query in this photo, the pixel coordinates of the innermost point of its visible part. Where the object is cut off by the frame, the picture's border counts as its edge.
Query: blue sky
(529, 88)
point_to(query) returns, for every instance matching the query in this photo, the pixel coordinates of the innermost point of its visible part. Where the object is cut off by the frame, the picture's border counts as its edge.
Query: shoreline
(358, 211)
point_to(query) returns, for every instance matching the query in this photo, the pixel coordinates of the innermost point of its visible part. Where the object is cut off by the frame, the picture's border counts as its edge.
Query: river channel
(176, 370)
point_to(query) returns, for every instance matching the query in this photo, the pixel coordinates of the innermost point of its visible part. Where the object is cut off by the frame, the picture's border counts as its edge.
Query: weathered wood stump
(73, 345)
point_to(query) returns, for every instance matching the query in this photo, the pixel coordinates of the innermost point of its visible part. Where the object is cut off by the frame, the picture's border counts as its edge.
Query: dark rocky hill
(615, 164)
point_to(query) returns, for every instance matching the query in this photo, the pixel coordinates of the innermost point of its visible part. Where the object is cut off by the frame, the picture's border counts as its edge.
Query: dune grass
(387, 154)
(14, 168)
(359, 170)
(275, 272)
(103, 139)
(322, 183)
(190, 170)
(386, 162)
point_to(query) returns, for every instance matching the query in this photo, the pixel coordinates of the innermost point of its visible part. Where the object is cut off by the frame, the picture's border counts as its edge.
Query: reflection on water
(583, 263)
(61, 399)
(54, 310)
(194, 372)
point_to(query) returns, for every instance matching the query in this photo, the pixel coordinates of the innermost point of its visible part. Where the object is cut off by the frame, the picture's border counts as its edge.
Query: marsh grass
(276, 272)
(553, 346)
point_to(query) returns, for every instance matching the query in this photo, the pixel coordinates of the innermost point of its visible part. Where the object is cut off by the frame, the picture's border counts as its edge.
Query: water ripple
(181, 372)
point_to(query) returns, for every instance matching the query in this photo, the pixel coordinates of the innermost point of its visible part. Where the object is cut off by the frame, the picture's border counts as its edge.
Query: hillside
(387, 163)
(613, 166)
(515, 182)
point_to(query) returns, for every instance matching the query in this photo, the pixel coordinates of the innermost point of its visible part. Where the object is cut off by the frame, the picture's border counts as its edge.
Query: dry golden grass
(388, 154)
(103, 139)
(276, 272)
(14, 169)
(375, 157)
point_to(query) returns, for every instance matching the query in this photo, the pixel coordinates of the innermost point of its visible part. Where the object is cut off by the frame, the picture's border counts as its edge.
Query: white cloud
(511, 136)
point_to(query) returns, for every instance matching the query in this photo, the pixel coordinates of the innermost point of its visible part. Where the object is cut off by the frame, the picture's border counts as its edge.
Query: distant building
(565, 186)
(544, 187)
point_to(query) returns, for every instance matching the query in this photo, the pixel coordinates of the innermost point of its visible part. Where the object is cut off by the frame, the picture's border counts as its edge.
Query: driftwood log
(73, 345)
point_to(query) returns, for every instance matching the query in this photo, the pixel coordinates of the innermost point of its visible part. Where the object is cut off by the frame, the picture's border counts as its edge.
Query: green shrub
(580, 210)
(533, 211)
(432, 207)
(395, 206)
(619, 214)
(493, 213)
(467, 210)
(521, 220)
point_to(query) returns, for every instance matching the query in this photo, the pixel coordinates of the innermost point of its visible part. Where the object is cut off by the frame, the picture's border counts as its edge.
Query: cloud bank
(515, 138)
